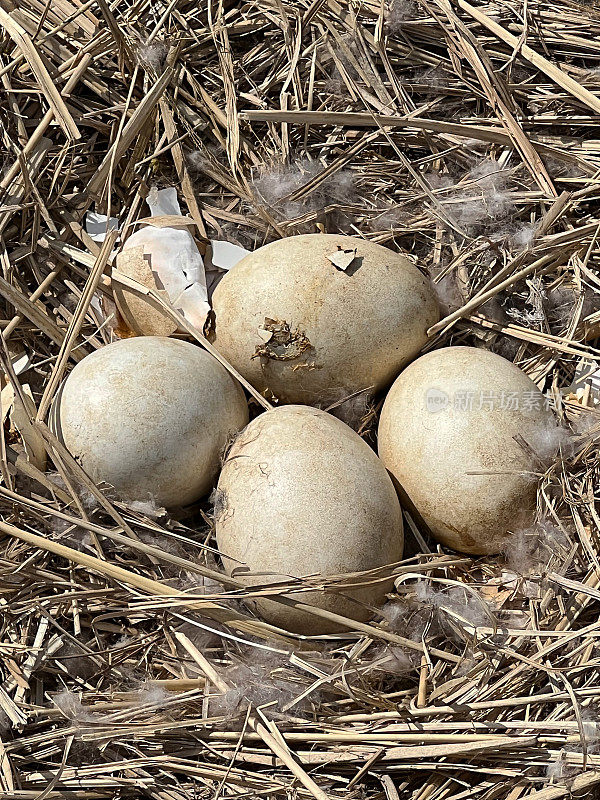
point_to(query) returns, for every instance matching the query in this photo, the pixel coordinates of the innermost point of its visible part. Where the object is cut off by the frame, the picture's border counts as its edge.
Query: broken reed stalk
(472, 305)
(184, 325)
(276, 745)
(213, 610)
(147, 585)
(76, 323)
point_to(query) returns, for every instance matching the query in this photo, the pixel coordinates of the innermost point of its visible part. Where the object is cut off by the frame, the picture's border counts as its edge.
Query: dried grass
(464, 135)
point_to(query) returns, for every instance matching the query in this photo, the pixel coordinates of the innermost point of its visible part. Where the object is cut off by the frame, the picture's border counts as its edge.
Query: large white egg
(301, 494)
(295, 324)
(150, 416)
(461, 431)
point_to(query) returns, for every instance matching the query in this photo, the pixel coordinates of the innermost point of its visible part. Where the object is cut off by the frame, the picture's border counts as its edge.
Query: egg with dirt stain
(465, 433)
(301, 494)
(315, 318)
(150, 416)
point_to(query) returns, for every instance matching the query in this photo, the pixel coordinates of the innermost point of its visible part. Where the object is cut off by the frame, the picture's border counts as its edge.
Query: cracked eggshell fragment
(450, 433)
(167, 260)
(225, 255)
(163, 256)
(97, 225)
(150, 416)
(163, 202)
(220, 258)
(141, 313)
(359, 320)
(342, 259)
(301, 494)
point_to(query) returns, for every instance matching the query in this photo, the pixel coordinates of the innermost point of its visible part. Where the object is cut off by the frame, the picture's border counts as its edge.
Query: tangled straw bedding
(464, 135)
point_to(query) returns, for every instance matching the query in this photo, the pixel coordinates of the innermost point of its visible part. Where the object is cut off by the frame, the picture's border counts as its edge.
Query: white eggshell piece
(163, 202)
(301, 494)
(174, 259)
(97, 225)
(150, 416)
(225, 255)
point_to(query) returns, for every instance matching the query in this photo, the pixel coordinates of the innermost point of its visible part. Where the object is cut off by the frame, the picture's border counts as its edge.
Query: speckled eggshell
(451, 414)
(150, 416)
(355, 328)
(301, 494)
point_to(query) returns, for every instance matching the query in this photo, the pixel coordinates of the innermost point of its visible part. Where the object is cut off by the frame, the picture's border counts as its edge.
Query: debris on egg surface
(150, 416)
(346, 315)
(301, 495)
(465, 433)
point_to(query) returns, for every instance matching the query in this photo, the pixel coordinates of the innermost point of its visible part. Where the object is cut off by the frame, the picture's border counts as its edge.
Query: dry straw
(462, 133)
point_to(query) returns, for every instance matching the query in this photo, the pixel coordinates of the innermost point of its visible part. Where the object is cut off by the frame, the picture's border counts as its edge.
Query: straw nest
(463, 135)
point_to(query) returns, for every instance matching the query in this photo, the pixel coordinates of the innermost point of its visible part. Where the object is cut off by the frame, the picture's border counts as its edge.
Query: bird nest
(460, 134)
